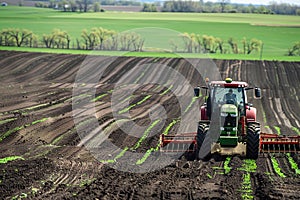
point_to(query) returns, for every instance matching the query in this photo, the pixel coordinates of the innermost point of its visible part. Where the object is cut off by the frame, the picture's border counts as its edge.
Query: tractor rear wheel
(253, 134)
(201, 135)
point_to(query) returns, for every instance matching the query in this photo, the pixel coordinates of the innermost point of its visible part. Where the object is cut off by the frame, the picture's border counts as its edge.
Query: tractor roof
(228, 84)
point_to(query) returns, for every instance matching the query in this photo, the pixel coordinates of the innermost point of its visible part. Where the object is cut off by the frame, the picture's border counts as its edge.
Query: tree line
(105, 39)
(196, 43)
(224, 6)
(96, 38)
(83, 5)
(71, 5)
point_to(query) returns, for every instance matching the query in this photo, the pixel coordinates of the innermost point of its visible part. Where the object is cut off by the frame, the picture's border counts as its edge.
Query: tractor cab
(219, 93)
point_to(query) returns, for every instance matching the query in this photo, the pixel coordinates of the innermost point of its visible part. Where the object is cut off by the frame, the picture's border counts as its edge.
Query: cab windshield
(234, 96)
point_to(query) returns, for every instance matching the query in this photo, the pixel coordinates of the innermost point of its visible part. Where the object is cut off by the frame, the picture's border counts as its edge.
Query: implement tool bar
(275, 143)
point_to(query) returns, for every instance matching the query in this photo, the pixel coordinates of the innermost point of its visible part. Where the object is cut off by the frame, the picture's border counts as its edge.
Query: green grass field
(278, 32)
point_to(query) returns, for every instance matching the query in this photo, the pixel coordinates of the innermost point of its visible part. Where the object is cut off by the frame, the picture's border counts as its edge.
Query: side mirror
(257, 92)
(197, 91)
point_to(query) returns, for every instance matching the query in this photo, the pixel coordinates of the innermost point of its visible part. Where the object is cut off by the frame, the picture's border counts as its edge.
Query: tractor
(228, 126)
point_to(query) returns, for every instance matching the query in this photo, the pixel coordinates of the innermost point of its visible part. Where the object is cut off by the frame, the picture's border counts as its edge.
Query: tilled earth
(37, 124)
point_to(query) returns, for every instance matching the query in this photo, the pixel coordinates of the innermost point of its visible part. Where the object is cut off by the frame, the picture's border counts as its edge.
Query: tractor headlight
(222, 128)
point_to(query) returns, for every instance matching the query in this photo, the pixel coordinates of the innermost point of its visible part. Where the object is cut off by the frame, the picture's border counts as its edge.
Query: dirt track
(36, 122)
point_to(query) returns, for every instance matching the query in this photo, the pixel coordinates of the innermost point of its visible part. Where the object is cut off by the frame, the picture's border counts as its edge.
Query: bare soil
(36, 123)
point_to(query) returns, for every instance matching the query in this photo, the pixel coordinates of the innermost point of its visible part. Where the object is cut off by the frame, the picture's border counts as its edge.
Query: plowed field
(37, 124)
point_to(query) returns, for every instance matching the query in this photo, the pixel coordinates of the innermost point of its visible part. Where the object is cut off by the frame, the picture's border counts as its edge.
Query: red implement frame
(273, 143)
(186, 142)
(269, 143)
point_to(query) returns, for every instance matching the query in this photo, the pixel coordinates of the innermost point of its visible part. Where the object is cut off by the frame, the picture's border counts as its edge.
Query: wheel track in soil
(244, 70)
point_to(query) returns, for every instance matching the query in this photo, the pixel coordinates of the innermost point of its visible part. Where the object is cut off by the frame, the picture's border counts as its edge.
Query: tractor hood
(229, 109)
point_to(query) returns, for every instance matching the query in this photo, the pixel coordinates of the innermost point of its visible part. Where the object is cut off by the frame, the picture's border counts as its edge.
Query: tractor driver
(229, 97)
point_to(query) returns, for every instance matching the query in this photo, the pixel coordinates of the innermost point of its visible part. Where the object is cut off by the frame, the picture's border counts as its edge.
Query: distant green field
(277, 32)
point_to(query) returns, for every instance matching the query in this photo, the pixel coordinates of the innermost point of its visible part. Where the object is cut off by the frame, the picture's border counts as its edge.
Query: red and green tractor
(228, 125)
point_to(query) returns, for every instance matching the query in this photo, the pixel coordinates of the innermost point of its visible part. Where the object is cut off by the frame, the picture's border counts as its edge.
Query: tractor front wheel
(203, 149)
(253, 134)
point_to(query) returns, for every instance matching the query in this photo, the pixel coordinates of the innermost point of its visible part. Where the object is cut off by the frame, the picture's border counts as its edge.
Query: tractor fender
(203, 113)
(251, 114)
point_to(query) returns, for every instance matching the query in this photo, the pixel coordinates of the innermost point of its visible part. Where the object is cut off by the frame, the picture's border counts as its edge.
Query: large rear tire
(253, 135)
(203, 150)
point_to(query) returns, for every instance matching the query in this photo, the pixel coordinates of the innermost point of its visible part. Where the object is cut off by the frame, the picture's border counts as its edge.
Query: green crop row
(102, 95)
(248, 166)
(39, 121)
(293, 164)
(226, 165)
(166, 91)
(165, 132)
(246, 187)
(137, 145)
(6, 134)
(145, 135)
(276, 167)
(133, 105)
(277, 128)
(147, 131)
(7, 120)
(296, 130)
(99, 97)
(191, 103)
(225, 169)
(149, 151)
(10, 158)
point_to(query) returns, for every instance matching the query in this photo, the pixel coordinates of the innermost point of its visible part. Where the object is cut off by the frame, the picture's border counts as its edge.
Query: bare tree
(57, 38)
(96, 7)
(89, 39)
(31, 41)
(73, 5)
(188, 43)
(234, 46)
(124, 41)
(131, 41)
(101, 35)
(17, 35)
(219, 43)
(206, 41)
(65, 38)
(137, 42)
(174, 45)
(295, 50)
(80, 5)
(252, 45)
(48, 40)
(6, 40)
(223, 4)
(197, 42)
(114, 42)
(85, 5)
